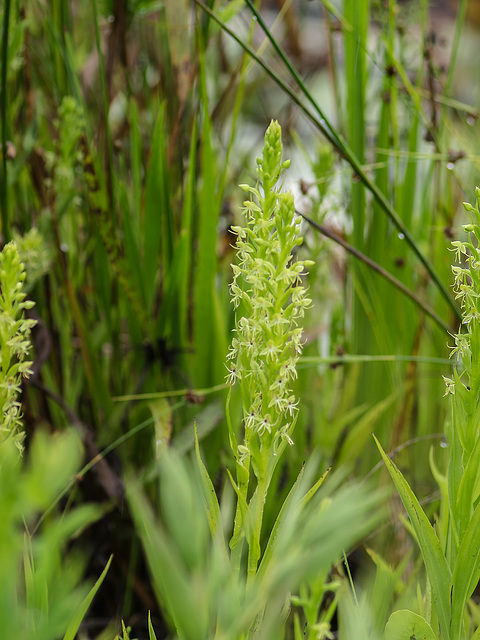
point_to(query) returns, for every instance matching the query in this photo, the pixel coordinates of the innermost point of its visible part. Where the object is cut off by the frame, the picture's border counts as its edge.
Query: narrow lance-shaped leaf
(466, 573)
(437, 568)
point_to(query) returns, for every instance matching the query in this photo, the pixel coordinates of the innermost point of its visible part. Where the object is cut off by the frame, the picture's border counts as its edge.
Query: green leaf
(151, 631)
(406, 625)
(466, 572)
(80, 613)
(284, 512)
(211, 501)
(437, 568)
(126, 635)
(184, 603)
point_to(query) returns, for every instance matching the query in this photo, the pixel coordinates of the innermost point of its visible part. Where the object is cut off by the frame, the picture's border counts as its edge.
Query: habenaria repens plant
(270, 298)
(450, 550)
(42, 595)
(14, 342)
(242, 588)
(267, 286)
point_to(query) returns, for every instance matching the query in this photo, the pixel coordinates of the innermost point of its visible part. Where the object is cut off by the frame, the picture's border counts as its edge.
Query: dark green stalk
(58, 13)
(462, 9)
(340, 145)
(3, 106)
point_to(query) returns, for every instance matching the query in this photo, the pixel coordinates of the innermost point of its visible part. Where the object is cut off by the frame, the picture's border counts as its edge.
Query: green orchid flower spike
(14, 342)
(270, 298)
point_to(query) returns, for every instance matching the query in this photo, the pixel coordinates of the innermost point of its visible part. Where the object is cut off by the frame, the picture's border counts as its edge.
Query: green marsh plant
(267, 287)
(41, 594)
(14, 342)
(450, 549)
(233, 580)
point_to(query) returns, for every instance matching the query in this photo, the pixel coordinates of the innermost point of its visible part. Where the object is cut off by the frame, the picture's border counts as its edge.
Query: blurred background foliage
(126, 127)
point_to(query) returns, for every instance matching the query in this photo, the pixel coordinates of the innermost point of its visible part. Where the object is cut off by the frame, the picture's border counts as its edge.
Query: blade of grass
(466, 574)
(135, 167)
(80, 614)
(3, 107)
(151, 631)
(211, 501)
(356, 13)
(438, 570)
(206, 267)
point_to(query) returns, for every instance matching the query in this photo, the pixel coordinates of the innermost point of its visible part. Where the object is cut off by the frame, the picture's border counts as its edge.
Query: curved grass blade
(151, 631)
(285, 512)
(80, 614)
(436, 565)
(211, 501)
(466, 573)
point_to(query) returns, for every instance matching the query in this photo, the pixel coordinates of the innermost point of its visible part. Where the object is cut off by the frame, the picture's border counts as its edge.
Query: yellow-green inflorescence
(14, 342)
(270, 298)
(467, 291)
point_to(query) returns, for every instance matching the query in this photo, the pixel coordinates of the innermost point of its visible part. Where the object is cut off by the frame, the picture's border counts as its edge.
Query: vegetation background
(126, 128)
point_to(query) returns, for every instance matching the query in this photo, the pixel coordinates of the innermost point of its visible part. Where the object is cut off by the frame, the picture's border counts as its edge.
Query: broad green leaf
(406, 625)
(80, 614)
(183, 510)
(437, 568)
(285, 512)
